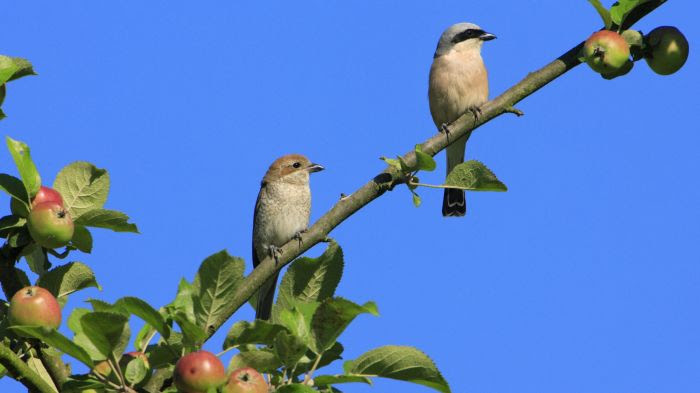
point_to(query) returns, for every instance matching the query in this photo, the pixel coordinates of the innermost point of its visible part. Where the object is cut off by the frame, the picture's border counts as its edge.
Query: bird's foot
(275, 252)
(444, 127)
(476, 111)
(299, 237)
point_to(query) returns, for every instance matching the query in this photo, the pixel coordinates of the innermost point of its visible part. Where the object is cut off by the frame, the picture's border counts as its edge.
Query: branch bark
(21, 372)
(390, 177)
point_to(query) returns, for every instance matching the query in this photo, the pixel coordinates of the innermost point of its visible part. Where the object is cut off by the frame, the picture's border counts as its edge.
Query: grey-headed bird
(281, 213)
(458, 83)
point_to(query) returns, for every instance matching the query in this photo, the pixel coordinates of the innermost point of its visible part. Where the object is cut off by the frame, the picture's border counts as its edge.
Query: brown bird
(281, 213)
(458, 83)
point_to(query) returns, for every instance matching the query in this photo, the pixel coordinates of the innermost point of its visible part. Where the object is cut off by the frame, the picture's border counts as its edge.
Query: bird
(458, 83)
(281, 214)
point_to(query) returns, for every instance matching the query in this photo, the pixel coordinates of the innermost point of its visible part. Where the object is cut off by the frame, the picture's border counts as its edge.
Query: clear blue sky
(583, 277)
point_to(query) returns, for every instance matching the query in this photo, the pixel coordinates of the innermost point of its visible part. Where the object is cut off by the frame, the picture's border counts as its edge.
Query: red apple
(606, 51)
(35, 306)
(199, 371)
(245, 380)
(50, 225)
(47, 194)
(669, 50)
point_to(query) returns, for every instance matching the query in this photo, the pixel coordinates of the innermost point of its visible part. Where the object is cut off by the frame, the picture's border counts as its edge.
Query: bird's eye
(296, 165)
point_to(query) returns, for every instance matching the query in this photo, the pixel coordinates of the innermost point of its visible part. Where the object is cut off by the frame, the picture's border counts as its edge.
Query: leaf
(475, 176)
(12, 68)
(416, 199)
(298, 320)
(256, 332)
(214, 286)
(263, 360)
(36, 259)
(83, 186)
(82, 239)
(57, 340)
(424, 161)
(289, 348)
(332, 317)
(23, 160)
(165, 353)
(603, 12)
(328, 357)
(15, 188)
(105, 330)
(184, 301)
(391, 161)
(19, 238)
(311, 279)
(401, 363)
(66, 279)
(22, 277)
(12, 221)
(74, 319)
(108, 219)
(193, 335)
(82, 385)
(144, 311)
(135, 371)
(295, 388)
(622, 8)
(324, 380)
(38, 367)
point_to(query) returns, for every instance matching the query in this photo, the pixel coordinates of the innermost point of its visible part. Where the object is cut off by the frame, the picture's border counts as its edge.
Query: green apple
(606, 51)
(245, 380)
(198, 372)
(50, 225)
(35, 306)
(668, 50)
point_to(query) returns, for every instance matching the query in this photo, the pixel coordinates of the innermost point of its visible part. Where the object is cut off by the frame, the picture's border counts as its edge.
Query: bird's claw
(299, 237)
(275, 252)
(445, 128)
(476, 111)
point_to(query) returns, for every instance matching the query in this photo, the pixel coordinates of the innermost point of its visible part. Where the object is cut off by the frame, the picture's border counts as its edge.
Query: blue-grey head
(466, 35)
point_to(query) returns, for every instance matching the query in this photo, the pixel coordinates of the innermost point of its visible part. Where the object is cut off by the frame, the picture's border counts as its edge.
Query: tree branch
(21, 372)
(386, 180)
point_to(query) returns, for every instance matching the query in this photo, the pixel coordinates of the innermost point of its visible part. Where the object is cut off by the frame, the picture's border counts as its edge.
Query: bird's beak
(487, 36)
(314, 168)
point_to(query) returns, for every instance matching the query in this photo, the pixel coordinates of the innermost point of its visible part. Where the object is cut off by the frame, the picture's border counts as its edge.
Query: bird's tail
(266, 297)
(454, 202)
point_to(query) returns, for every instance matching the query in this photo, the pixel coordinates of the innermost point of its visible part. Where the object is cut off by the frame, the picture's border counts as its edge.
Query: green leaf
(263, 360)
(401, 363)
(3, 91)
(105, 330)
(83, 186)
(66, 279)
(2, 114)
(25, 165)
(36, 259)
(332, 317)
(22, 277)
(424, 162)
(298, 319)
(144, 311)
(82, 239)
(416, 199)
(12, 68)
(74, 319)
(15, 188)
(289, 348)
(622, 8)
(475, 176)
(135, 370)
(256, 332)
(57, 340)
(108, 219)
(295, 388)
(311, 279)
(19, 237)
(12, 221)
(164, 353)
(214, 285)
(391, 161)
(603, 12)
(38, 367)
(82, 385)
(193, 335)
(328, 357)
(184, 301)
(324, 380)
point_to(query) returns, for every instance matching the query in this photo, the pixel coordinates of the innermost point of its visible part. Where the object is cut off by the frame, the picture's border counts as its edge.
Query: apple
(668, 50)
(46, 194)
(245, 380)
(50, 225)
(35, 306)
(199, 371)
(606, 51)
(103, 368)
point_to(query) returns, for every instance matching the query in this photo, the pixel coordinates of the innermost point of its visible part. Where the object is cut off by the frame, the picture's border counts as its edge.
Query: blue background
(583, 277)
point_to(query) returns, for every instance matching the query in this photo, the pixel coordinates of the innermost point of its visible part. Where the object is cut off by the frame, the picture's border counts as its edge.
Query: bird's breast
(283, 210)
